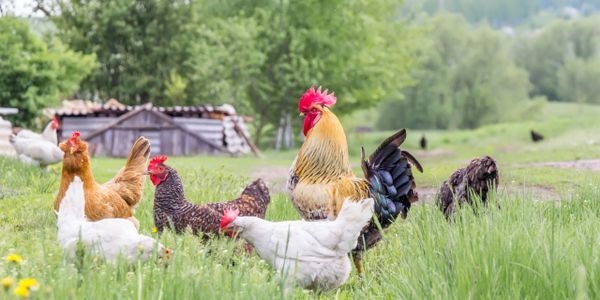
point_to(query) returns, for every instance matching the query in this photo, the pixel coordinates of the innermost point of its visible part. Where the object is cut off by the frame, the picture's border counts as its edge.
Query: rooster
(108, 238)
(170, 204)
(476, 179)
(321, 176)
(49, 134)
(116, 198)
(313, 254)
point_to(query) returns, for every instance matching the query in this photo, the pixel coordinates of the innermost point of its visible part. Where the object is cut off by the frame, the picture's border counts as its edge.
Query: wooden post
(239, 130)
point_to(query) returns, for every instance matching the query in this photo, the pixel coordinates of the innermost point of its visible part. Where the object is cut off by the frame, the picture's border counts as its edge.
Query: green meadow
(541, 244)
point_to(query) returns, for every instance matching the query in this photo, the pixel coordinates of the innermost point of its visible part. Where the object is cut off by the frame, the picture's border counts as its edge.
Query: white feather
(314, 254)
(39, 150)
(108, 238)
(49, 134)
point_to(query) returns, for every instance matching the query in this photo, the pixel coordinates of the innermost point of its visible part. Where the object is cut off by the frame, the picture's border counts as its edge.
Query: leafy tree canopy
(34, 74)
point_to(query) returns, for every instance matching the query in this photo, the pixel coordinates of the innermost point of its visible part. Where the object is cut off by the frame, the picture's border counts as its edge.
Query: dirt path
(590, 164)
(540, 193)
(275, 176)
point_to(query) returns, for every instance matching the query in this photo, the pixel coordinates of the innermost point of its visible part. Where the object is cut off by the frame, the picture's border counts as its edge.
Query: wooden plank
(196, 121)
(203, 129)
(143, 127)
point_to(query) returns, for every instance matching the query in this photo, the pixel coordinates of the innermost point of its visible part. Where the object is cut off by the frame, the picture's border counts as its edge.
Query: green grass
(527, 249)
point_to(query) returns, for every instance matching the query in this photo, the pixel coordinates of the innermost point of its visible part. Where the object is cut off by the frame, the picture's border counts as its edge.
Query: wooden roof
(86, 107)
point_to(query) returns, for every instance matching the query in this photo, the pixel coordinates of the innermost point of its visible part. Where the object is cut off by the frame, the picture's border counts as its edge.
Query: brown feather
(114, 199)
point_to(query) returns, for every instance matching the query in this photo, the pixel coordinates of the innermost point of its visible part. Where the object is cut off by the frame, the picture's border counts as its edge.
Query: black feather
(389, 171)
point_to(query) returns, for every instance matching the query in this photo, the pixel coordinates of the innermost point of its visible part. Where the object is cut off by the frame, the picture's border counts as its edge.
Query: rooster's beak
(147, 172)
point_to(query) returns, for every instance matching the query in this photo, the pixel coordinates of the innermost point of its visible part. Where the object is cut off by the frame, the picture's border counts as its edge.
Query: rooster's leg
(357, 258)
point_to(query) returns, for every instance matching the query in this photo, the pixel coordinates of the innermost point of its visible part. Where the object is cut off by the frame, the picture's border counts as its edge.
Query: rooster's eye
(314, 110)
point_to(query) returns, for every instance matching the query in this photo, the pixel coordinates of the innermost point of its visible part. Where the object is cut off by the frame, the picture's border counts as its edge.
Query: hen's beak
(230, 230)
(146, 172)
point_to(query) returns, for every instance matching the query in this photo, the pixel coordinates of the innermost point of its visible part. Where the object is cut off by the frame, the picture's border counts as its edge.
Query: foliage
(257, 55)
(465, 78)
(138, 44)
(34, 74)
(546, 53)
(354, 48)
(578, 81)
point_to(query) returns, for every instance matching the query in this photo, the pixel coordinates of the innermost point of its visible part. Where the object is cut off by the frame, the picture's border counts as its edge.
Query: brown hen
(116, 198)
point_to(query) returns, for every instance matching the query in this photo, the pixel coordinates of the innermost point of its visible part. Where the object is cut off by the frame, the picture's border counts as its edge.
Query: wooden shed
(111, 128)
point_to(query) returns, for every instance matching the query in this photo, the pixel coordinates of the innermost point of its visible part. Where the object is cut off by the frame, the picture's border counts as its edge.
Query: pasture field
(542, 244)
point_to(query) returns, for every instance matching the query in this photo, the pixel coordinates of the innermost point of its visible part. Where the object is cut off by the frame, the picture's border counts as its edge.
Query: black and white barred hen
(171, 206)
(476, 179)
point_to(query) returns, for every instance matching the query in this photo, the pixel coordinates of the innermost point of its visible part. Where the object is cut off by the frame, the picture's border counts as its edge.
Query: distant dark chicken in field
(476, 179)
(423, 142)
(536, 137)
(170, 204)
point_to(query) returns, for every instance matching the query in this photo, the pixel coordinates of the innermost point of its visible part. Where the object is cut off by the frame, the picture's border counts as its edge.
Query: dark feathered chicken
(423, 142)
(170, 204)
(536, 137)
(476, 179)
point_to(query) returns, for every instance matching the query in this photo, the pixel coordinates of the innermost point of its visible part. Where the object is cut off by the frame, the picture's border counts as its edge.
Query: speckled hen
(171, 206)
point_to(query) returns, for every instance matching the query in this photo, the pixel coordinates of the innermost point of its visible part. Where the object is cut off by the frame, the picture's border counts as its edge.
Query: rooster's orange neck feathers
(325, 146)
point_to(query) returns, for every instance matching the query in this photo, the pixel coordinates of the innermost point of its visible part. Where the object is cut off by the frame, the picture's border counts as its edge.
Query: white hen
(108, 238)
(49, 133)
(313, 254)
(38, 152)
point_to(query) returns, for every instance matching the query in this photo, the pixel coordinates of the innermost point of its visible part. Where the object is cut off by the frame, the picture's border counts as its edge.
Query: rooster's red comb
(228, 216)
(312, 97)
(75, 134)
(156, 160)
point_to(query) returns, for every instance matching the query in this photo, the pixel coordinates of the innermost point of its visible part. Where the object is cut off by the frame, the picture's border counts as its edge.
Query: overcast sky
(21, 8)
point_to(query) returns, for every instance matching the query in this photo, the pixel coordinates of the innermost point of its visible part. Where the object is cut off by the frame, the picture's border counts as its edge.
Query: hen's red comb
(228, 216)
(312, 97)
(55, 122)
(72, 141)
(156, 160)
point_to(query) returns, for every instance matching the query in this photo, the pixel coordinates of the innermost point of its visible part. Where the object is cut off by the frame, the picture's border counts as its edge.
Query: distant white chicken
(312, 254)
(36, 152)
(49, 133)
(108, 238)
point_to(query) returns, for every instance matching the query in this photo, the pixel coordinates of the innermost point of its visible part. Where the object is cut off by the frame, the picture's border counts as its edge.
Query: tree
(465, 78)
(258, 55)
(356, 48)
(35, 74)
(578, 81)
(138, 44)
(544, 54)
